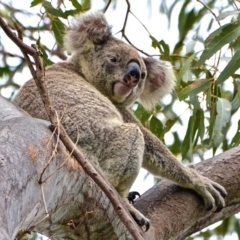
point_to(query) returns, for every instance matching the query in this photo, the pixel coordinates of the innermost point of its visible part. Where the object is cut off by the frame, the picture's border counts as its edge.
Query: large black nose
(133, 74)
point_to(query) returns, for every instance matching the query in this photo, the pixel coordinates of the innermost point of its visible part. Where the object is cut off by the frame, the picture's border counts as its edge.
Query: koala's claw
(139, 218)
(132, 196)
(142, 222)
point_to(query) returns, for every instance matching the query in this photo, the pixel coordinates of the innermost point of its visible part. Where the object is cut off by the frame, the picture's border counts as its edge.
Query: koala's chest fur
(86, 114)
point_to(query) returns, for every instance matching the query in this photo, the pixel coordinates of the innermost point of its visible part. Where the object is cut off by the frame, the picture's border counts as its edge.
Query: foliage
(207, 96)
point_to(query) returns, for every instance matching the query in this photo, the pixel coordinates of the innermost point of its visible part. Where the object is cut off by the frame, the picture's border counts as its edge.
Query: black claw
(223, 194)
(147, 226)
(219, 208)
(145, 223)
(142, 222)
(209, 208)
(132, 196)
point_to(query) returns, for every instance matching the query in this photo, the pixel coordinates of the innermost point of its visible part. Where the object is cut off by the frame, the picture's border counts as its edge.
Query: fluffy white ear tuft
(160, 81)
(89, 26)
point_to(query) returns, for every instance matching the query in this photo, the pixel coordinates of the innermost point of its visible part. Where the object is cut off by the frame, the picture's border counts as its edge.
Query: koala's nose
(132, 75)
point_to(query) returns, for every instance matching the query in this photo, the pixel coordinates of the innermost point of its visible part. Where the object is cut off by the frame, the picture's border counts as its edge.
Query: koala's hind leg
(121, 162)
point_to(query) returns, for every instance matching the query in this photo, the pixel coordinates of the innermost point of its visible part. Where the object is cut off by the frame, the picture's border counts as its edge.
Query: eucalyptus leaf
(200, 123)
(36, 2)
(223, 116)
(236, 102)
(218, 39)
(196, 87)
(236, 139)
(231, 68)
(187, 142)
(185, 66)
(53, 11)
(227, 14)
(156, 127)
(58, 30)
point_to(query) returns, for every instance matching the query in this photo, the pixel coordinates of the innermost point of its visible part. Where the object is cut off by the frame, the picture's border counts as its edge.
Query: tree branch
(180, 212)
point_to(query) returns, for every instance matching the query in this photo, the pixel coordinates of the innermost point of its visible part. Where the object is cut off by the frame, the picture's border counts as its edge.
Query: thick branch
(66, 204)
(176, 213)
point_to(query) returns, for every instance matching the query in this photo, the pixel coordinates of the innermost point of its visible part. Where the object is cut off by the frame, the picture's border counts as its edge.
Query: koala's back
(86, 114)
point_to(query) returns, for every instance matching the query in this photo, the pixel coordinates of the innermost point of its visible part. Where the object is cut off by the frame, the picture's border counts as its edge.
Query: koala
(93, 92)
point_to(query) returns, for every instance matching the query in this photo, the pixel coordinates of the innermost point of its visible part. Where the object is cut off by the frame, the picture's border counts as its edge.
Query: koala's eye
(143, 75)
(113, 59)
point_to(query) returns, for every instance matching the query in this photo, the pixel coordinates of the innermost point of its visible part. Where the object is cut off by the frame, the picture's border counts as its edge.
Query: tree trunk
(43, 189)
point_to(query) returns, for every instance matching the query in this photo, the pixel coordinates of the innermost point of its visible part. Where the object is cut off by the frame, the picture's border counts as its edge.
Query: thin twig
(106, 7)
(44, 202)
(141, 23)
(210, 10)
(127, 39)
(2, 52)
(215, 16)
(85, 164)
(126, 17)
(40, 180)
(124, 27)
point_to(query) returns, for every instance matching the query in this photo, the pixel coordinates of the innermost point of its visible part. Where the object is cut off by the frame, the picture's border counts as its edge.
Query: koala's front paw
(140, 219)
(213, 193)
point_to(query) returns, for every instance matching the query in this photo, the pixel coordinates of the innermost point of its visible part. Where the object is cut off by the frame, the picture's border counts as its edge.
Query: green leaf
(196, 87)
(4, 70)
(200, 123)
(166, 50)
(187, 143)
(156, 127)
(236, 139)
(169, 123)
(36, 2)
(53, 11)
(58, 30)
(155, 43)
(186, 65)
(163, 48)
(86, 4)
(231, 68)
(46, 60)
(142, 114)
(236, 102)
(76, 4)
(226, 14)
(218, 39)
(223, 116)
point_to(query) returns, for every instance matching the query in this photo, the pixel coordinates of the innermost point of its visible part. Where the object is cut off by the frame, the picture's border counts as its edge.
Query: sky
(156, 24)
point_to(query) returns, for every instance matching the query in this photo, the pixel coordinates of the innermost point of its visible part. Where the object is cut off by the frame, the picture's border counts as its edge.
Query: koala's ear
(90, 26)
(160, 81)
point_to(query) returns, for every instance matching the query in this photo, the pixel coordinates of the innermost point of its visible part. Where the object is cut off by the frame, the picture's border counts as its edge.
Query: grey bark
(75, 208)
(68, 204)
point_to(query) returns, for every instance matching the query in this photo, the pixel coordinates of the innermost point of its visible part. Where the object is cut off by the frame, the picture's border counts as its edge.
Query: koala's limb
(159, 161)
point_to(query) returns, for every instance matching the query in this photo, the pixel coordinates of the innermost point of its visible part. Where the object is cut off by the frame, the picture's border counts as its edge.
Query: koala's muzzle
(132, 75)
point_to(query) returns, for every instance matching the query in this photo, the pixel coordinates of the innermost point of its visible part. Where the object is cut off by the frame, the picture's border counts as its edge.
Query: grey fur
(91, 95)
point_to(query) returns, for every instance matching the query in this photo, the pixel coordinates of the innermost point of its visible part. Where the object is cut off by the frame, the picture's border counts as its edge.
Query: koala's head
(113, 67)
